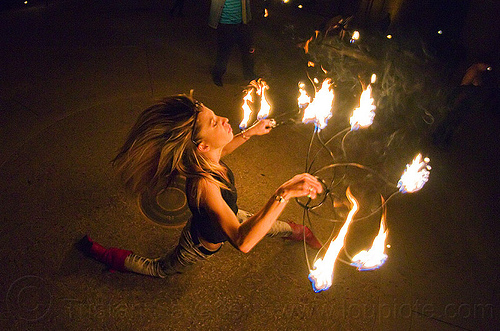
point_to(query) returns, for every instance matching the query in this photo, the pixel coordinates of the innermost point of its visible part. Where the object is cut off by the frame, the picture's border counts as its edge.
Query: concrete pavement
(74, 76)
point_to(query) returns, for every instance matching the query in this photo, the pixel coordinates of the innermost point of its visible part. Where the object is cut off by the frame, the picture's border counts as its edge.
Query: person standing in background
(231, 18)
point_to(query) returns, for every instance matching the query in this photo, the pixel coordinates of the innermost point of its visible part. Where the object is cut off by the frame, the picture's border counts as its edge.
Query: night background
(74, 76)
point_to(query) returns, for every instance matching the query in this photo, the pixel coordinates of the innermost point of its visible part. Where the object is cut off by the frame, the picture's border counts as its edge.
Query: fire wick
(280, 123)
(272, 123)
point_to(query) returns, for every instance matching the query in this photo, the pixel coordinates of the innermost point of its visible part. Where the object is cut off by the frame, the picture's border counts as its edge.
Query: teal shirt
(217, 6)
(231, 12)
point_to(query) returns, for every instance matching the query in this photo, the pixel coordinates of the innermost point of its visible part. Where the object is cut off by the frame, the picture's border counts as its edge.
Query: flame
(266, 13)
(415, 176)
(320, 109)
(364, 114)
(321, 276)
(303, 100)
(375, 256)
(355, 36)
(265, 107)
(306, 46)
(247, 111)
(310, 64)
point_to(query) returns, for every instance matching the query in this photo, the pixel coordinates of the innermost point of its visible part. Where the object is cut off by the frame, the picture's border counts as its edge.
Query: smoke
(410, 93)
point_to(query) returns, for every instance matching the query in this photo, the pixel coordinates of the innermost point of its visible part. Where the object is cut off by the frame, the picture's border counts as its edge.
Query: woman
(180, 136)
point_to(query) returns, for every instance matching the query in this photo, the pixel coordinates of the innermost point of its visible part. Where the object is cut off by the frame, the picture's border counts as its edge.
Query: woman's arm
(260, 128)
(246, 235)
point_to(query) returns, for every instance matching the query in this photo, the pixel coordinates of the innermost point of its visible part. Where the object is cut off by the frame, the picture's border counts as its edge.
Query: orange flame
(303, 100)
(265, 107)
(320, 109)
(363, 116)
(247, 111)
(306, 46)
(321, 276)
(375, 256)
(416, 175)
(355, 36)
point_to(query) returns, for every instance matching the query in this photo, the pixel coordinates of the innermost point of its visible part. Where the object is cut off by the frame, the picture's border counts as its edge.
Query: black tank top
(201, 224)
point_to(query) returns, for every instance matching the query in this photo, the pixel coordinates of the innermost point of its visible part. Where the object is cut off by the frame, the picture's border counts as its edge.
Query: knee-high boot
(113, 257)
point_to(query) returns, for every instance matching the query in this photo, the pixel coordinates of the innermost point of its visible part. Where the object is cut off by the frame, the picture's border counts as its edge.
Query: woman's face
(214, 130)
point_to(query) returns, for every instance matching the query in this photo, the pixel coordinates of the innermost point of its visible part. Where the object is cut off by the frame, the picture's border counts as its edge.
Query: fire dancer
(231, 18)
(180, 136)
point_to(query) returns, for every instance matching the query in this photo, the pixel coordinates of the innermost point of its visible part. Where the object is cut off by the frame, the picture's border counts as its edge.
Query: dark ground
(75, 75)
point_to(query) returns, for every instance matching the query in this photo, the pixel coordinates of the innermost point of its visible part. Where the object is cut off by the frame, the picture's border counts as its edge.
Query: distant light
(440, 31)
(489, 68)
(389, 36)
(316, 80)
(300, 6)
(286, 1)
(388, 246)
(26, 2)
(266, 13)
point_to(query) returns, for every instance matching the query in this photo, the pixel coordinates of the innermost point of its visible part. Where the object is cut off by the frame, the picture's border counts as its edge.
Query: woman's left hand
(260, 128)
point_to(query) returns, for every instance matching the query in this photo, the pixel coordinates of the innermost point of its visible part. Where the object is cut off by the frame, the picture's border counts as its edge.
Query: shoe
(299, 232)
(217, 80)
(113, 257)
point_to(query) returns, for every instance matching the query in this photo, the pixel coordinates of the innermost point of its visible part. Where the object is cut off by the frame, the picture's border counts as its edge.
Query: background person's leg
(225, 41)
(245, 43)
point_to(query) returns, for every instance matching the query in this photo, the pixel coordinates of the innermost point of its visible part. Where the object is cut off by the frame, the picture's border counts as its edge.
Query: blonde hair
(161, 145)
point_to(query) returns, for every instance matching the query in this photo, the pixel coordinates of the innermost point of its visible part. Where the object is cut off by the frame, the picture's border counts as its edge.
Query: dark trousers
(227, 36)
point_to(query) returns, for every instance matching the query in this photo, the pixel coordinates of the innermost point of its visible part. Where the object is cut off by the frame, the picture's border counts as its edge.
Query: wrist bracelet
(280, 198)
(243, 135)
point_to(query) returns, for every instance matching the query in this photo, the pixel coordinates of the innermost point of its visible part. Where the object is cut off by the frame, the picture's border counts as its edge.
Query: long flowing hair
(162, 145)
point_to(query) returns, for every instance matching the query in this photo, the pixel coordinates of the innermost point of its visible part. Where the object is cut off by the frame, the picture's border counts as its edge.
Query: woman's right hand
(299, 186)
